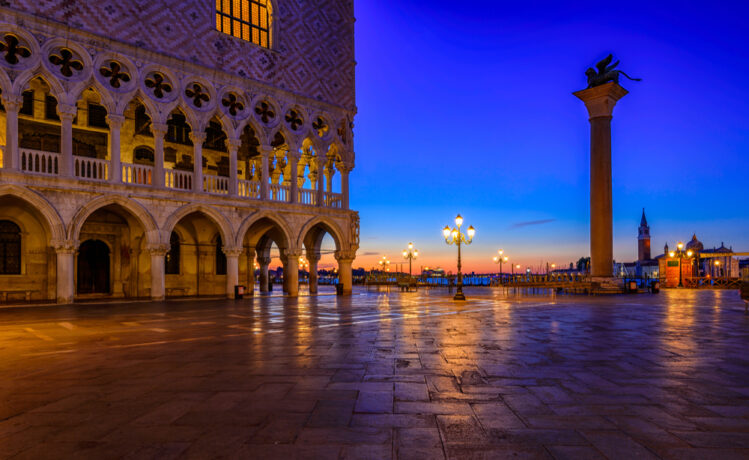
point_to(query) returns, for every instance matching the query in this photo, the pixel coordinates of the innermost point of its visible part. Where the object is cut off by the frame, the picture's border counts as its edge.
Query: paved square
(379, 376)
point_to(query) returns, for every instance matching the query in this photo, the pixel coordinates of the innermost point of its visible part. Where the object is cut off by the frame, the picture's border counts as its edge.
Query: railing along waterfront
(39, 162)
(216, 184)
(279, 192)
(137, 174)
(248, 189)
(91, 168)
(181, 180)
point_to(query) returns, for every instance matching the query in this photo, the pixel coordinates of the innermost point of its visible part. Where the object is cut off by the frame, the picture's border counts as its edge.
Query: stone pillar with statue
(600, 97)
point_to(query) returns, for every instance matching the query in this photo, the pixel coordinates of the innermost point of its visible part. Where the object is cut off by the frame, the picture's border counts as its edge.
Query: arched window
(249, 20)
(220, 257)
(10, 248)
(171, 264)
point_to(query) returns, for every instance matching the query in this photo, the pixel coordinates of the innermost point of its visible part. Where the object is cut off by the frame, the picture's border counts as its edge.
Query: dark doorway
(93, 267)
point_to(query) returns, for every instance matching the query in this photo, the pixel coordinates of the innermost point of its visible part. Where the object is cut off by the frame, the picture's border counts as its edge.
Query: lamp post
(410, 254)
(384, 263)
(455, 236)
(304, 265)
(680, 253)
(499, 260)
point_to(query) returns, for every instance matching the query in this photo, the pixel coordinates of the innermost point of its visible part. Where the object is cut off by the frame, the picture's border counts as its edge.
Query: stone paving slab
(378, 375)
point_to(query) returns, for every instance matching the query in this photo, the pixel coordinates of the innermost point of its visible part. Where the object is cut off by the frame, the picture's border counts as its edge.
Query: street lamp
(499, 260)
(455, 236)
(384, 263)
(410, 254)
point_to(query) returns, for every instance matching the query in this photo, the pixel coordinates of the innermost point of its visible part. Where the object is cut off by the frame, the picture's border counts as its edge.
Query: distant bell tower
(643, 239)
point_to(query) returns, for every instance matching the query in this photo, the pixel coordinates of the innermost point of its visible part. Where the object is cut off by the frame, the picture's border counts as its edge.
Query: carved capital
(159, 129)
(345, 256)
(67, 112)
(157, 249)
(233, 145)
(115, 121)
(65, 247)
(263, 261)
(232, 251)
(600, 100)
(197, 137)
(12, 102)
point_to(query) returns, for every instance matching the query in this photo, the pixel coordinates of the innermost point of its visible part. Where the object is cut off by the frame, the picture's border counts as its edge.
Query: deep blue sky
(467, 107)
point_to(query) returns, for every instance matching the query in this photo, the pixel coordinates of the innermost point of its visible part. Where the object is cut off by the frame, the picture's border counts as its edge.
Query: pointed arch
(52, 219)
(276, 219)
(327, 224)
(212, 213)
(105, 96)
(55, 87)
(133, 207)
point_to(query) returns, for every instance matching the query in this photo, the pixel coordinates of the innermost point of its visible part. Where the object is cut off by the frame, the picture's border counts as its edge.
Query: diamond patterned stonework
(312, 53)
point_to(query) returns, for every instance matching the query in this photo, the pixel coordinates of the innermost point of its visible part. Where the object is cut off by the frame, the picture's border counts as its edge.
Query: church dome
(695, 244)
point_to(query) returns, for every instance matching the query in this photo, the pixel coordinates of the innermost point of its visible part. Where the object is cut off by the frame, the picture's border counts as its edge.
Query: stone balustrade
(94, 169)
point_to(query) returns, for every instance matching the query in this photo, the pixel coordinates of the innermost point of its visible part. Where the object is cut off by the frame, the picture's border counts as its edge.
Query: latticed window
(246, 19)
(10, 248)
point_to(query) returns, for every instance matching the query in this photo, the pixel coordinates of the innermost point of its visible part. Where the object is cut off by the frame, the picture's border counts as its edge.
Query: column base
(608, 284)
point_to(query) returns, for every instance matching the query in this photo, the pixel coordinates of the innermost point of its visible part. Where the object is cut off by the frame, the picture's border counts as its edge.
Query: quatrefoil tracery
(158, 83)
(115, 74)
(13, 49)
(294, 119)
(265, 112)
(232, 103)
(197, 94)
(321, 126)
(66, 61)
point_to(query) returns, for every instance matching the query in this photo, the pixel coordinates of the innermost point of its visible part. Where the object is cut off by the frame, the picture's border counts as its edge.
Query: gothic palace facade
(154, 149)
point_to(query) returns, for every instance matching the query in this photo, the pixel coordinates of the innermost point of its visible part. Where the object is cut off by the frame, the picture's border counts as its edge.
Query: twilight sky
(469, 109)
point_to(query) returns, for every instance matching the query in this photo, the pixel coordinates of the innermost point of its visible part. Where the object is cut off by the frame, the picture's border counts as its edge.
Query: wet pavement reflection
(379, 375)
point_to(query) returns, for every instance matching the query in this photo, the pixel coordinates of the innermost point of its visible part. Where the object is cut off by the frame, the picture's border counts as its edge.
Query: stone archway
(311, 238)
(259, 234)
(93, 270)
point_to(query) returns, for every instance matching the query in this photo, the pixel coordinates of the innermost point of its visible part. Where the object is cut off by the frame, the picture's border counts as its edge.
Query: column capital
(115, 120)
(312, 257)
(232, 251)
(600, 100)
(65, 246)
(266, 149)
(345, 256)
(12, 102)
(157, 249)
(263, 260)
(294, 254)
(159, 129)
(197, 138)
(67, 112)
(234, 144)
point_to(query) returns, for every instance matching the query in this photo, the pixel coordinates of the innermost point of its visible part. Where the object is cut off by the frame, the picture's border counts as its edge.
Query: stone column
(67, 114)
(265, 151)
(65, 271)
(291, 272)
(313, 259)
(159, 132)
(344, 188)
(264, 278)
(115, 166)
(197, 175)
(600, 102)
(294, 175)
(329, 172)
(232, 270)
(158, 275)
(234, 145)
(319, 201)
(345, 261)
(11, 158)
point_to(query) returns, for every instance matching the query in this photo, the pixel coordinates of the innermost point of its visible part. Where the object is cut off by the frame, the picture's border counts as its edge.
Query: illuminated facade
(164, 152)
